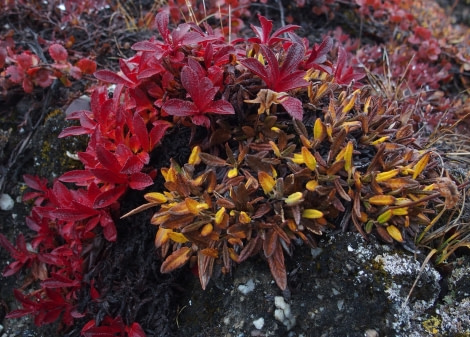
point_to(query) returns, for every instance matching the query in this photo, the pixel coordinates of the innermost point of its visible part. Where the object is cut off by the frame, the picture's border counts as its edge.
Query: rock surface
(351, 288)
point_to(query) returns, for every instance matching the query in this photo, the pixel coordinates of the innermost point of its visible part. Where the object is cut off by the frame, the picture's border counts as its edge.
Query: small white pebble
(371, 333)
(279, 302)
(259, 323)
(247, 288)
(279, 315)
(6, 202)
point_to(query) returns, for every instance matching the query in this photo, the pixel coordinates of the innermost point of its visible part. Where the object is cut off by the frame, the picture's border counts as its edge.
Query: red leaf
(7, 245)
(62, 194)
(107, 159)
(147, 46)
(70, 214)
(77, 176)
(162, 20)
(74, 131)
(140, 129)
(59, 281)
(108, 197)
(20, 313)
(109, 176)
(157, 132)
(133, 165)
(318, 55)
(221, 107)
(43, 78)
(87, 66)
(14, 74)
(110, 232)
(34, 182)
(139, 181)
(58, 52)
(178, 107)
(263, 32)
(293, 107)
(135, 330)
(256, 67)
(110, 77)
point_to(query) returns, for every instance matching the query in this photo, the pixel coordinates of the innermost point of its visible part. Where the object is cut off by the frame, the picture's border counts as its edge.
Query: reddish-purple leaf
(345, 74)
(14, 74)
(220, 107)
(295, 55)
(147, 46)
(58, 52)
(293, 107)
(62, 194)
(162, 20)
(291, 81)
(178, 107)
(5, 243)
(20, 313)
(263, 32)
(318, 55)
(58, 281)
(34, 182)
(256, 67)
(201, 90)
(74, 131)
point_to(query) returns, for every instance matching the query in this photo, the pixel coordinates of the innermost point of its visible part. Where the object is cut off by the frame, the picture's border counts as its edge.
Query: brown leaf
(335, 168)
(178, 221)
(240, 231)
(300, 127)
(140, 209)
(219, 136)
(261, 211)
(404, 132)
(278, 268)
(162, 237)
(382, 232)
(224, 202)
(270, 243)
(205, 264)
(177, 259)
(256, 164)
(337, 145)
(251, 248)
(211, 160)
(341, 192)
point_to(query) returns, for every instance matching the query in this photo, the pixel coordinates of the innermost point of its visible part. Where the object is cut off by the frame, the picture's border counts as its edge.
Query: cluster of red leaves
(25, 68)
(425, 52)
(184, 76)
